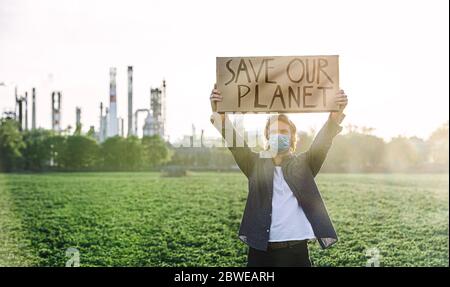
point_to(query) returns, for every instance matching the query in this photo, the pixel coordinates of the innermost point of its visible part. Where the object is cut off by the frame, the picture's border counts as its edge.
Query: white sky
(393, 55)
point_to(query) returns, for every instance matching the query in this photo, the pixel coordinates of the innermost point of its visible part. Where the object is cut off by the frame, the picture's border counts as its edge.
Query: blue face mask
(279, 142)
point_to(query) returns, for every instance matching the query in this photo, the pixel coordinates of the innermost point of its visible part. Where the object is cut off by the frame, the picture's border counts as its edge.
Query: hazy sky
(393, 55)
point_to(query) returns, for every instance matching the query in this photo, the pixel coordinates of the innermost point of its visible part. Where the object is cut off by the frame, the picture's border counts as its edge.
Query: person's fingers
(216, 96)
(217, 99)
(215, 92)
(342, 101)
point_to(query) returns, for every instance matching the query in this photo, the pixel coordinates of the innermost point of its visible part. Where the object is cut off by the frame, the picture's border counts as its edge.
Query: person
(284, 209)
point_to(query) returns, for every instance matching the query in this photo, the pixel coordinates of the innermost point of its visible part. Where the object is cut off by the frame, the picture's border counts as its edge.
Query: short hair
(285, 119)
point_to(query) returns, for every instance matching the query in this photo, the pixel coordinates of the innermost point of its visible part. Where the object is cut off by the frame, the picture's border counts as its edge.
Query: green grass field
(143, 219)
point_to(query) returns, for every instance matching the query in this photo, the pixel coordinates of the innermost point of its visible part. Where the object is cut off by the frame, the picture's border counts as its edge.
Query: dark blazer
(299, 172)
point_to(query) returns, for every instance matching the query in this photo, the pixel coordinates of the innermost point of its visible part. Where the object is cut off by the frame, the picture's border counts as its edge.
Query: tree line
(360, 151)
(44, 150)
(356, 150)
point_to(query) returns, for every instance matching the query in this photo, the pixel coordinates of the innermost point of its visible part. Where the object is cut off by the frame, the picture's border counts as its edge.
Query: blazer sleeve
(321, 144)
(244, 157)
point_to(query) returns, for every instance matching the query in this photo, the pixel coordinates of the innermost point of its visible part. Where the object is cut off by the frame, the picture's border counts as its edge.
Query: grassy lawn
(143, 219)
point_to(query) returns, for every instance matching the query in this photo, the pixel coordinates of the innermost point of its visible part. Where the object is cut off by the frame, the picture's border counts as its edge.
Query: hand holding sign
(341, 101)
(215, 98)
(278, 84)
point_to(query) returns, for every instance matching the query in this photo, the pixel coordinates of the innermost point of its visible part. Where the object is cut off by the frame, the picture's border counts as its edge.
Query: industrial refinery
(110, 124)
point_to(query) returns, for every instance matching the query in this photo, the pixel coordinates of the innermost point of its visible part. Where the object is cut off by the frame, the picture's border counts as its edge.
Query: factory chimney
(56, 111)
(130, 100)
(78, 121)
(78, 115)
(164, 110)
(113, 122)
(19, 101)
(26, 111)
(101, 130)
(33, 108)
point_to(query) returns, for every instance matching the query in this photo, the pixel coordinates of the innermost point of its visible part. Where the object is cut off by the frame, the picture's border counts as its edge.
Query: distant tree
(91, 132)
(11, 144)
(421, 151)
(183, 156)
(57, 145)
(77, 131)
(355, 152)
(37, 151)
(113, 153)
(80, 152)
(221, 158)
(156, 151)
(202, 156)
(439, 145)
(401, 154)
(133, 153)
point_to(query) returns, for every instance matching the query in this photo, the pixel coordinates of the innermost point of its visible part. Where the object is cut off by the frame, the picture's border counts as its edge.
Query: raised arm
(322, 142)
(245, 158)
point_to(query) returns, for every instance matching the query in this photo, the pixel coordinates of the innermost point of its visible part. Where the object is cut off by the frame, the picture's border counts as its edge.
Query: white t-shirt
(289, 222)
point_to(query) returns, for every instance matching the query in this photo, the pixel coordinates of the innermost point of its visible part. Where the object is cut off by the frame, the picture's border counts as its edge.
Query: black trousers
(294, 256)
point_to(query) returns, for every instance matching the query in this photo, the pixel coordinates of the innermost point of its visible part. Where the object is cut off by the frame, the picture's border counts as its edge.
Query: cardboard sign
(278, 84)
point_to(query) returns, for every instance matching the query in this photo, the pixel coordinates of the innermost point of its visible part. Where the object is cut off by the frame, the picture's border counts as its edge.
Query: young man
(284, 209)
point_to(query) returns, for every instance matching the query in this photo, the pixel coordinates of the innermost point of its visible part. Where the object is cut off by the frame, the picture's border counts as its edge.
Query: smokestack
(101, 129)
(56, 111)
(112, 85)
(26, 111)
(163, 103)
(78, 121)
(33, 108)
(20, 102)
(130, 100)
(17, 103)
(53, 110)
(113, 122)
(78, 115)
